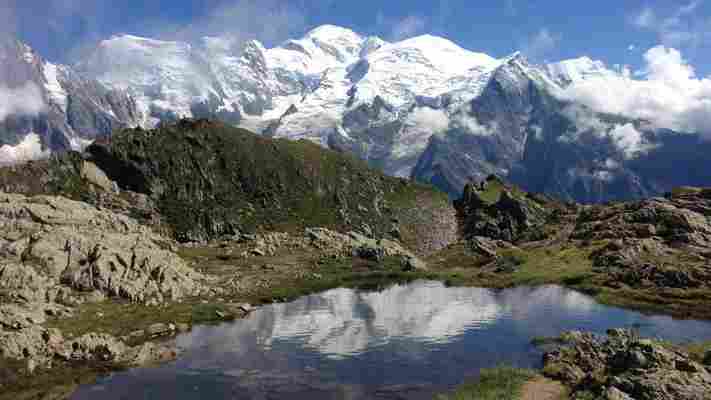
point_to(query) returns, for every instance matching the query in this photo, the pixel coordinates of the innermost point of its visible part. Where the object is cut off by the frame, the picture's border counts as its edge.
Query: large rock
(508, 218)
(51, 240)
(623, 366)
(92, 347)
(358, 245)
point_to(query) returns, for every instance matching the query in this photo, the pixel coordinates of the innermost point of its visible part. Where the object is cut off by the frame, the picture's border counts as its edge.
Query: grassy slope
(214, 178)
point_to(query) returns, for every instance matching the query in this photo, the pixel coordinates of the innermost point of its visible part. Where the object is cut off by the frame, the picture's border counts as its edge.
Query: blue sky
(610, 30)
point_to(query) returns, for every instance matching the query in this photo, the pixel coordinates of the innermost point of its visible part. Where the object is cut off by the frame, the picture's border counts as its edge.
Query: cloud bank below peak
(23, 100)
(666, 92)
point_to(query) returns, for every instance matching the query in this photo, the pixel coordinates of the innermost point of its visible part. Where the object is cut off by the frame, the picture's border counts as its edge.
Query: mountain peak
(328, 33)
(428, 40)
(578, 69)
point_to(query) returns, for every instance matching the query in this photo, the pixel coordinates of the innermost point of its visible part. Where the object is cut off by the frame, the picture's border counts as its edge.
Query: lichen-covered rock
(92, 347)
(35, 342)
(52, 240)
(19, 316)
(623, 366)
(354, 244)
(508, 218)
(148, 353)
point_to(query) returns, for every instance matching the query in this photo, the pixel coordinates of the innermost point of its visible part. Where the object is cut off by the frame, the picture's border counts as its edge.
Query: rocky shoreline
(59, 257)
(623, 366)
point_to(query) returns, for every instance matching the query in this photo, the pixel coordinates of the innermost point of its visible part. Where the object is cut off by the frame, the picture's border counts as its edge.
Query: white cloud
(628, 139)
(472, 126)
(435, 121)
(611, 164)
(541, 44)
(29, 148)
(668, 94)
(407, 27)
(645, 19)
(23, 100)
(682, 27)
(269, 21)
(585, 119)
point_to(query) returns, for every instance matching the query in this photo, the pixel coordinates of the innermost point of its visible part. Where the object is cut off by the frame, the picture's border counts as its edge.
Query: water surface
(405, 342)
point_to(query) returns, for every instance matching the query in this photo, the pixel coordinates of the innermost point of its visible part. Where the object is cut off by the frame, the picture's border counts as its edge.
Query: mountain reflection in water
(408, 340)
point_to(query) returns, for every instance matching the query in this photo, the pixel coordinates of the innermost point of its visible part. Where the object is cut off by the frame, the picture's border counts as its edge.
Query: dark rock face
(623, 366)
(543, 145)
(506, 219)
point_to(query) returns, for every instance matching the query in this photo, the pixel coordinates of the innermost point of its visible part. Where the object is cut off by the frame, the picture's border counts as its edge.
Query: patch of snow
(56, 92)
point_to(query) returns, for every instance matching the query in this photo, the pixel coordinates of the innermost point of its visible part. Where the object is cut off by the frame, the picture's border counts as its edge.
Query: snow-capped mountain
(51, 107)
(423, 107)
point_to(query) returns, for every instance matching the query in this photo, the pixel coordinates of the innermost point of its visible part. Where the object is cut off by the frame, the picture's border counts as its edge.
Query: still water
(405, 342)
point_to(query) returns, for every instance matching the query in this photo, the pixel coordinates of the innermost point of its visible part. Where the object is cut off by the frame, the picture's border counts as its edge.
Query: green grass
(500, 383)
(550, 265)
(697, 350)
(493, 189)
(120, 318)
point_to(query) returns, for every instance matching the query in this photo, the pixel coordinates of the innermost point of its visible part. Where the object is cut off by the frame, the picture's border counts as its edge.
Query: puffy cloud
(471, 125)
(401, 28)
(437, 121)
(429, 119)
(628, 139)
(681, 27)
(29, 148)
(73, 27)
(667, 93)
(266, 20)
(541, 44)
(646, 18)
(23, 100)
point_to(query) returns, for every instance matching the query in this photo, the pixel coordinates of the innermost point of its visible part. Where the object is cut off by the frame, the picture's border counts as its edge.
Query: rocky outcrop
(40, 347)
(357, 245)
(51, 246)
(507, 217)
(56, 253)
(622, 366)
(660, 242)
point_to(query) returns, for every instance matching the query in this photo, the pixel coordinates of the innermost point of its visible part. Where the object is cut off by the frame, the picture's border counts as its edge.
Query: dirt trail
(543, 389)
